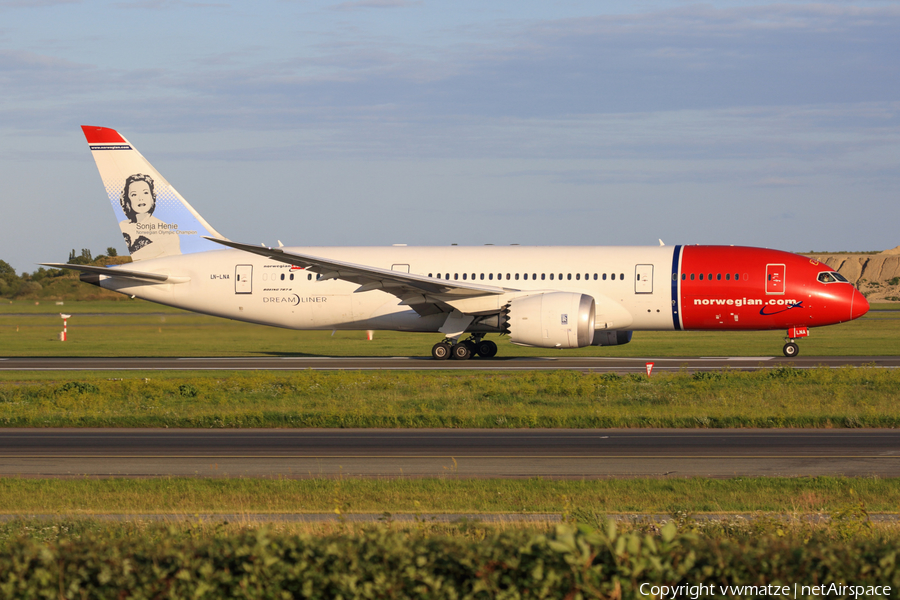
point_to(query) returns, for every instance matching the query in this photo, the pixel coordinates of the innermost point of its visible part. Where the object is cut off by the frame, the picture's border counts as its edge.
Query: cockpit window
(832, 277)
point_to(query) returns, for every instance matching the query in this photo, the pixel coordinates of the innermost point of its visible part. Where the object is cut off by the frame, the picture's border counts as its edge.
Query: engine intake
(552, 320)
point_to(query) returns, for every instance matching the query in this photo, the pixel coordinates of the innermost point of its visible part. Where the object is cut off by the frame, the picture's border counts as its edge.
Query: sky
(376, 122)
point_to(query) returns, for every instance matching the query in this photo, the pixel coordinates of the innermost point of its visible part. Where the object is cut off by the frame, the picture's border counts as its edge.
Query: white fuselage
(632, 285)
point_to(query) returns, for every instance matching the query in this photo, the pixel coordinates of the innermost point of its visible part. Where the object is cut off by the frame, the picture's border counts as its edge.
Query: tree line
(13, 285)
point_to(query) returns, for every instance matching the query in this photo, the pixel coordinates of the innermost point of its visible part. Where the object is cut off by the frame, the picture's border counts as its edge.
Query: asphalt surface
(588, 364)
(304, 453)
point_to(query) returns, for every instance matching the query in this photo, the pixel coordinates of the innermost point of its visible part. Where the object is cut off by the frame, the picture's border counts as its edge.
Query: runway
(292, 363)
(548, 453)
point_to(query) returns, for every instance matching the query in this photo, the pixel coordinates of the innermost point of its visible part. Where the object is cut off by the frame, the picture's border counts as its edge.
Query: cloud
(169, 4)
(366, 4)
(34, 3)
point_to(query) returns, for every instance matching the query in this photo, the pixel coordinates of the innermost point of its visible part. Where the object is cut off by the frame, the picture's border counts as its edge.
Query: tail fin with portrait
(153, 217)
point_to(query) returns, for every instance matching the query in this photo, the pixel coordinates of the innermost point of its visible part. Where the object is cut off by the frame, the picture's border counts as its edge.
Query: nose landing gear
(791, 349)
(464, 350)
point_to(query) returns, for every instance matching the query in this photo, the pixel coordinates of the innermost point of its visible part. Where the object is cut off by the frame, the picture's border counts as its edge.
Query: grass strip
(783, 397)
(582, 499)
(123, 328)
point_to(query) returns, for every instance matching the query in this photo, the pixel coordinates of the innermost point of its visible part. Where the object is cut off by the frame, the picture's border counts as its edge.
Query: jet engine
(551, 320)
(611, 338)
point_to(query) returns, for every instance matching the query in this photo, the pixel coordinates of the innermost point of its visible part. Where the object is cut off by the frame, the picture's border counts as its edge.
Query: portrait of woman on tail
(146, 236)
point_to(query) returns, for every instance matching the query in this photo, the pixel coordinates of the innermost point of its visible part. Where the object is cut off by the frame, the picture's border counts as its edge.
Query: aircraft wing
(120, 273)
(426, 295)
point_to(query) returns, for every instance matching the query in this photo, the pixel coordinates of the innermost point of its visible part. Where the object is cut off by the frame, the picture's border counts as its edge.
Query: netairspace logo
(696, 591)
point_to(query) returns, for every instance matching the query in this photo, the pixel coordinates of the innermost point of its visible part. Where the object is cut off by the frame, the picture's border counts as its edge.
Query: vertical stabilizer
(154, 219)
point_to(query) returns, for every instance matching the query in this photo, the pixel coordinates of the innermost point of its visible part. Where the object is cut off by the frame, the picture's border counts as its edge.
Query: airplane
(546, 297)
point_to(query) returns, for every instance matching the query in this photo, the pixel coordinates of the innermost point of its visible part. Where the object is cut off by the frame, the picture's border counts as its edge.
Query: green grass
(145, 329)
(188, 496)
(784, 397)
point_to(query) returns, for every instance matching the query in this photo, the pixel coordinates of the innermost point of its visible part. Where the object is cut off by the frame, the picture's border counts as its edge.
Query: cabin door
(643, 279)
(774, 279)
(243, 279)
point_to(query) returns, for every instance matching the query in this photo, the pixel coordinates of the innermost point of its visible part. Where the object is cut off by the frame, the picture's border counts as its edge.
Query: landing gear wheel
(791, 350)
(440, 351)
(472, 346)
(461, 351)
(486, 348)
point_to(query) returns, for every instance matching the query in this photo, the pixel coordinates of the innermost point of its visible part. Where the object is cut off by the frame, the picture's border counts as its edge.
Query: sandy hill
(876, 275)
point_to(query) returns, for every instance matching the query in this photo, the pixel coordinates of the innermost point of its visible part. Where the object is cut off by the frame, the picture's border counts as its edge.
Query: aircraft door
(775, 279)
(243, 279)
(643, 279)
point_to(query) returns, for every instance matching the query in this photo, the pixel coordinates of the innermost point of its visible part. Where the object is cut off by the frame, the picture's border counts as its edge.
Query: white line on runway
(739, 358)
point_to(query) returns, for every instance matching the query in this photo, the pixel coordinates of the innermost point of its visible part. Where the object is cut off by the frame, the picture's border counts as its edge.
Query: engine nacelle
(552, 320)
(611, 338)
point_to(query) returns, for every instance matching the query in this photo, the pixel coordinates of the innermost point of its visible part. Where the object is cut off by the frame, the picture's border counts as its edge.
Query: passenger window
(309, 277)
(543, 275)
(683, 276)
(482, 277)
(701, 276)
(569, 277)
(595, 277)
(455, 276)
(507, 276)
(282, 276)
(736, 276)
(718, 277)
(464, 276)
(622, 276)
(292, 276)
(490, 276)
(710, 276)
(727, 276)
(604, 277)
(577, 276)
(551, 276)
(517, 276)
(692, 276)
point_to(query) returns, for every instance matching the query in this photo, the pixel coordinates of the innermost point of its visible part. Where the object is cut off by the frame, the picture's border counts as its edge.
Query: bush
(379, 562)
(79, 387)
(28, 288)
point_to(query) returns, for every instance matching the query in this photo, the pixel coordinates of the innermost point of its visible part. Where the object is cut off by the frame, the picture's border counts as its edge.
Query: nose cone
(858, 305)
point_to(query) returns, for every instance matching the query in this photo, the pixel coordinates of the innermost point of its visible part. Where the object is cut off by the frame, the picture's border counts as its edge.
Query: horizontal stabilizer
(120, 273)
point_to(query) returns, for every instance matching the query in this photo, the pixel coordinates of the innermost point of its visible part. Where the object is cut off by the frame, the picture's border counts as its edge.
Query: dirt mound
(876, 275)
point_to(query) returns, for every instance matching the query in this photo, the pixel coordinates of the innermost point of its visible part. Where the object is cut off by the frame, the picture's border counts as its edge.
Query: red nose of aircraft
(858, 304)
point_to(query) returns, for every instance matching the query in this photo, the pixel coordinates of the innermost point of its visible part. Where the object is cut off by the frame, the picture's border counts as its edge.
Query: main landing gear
(791, 349)
(464, 350)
